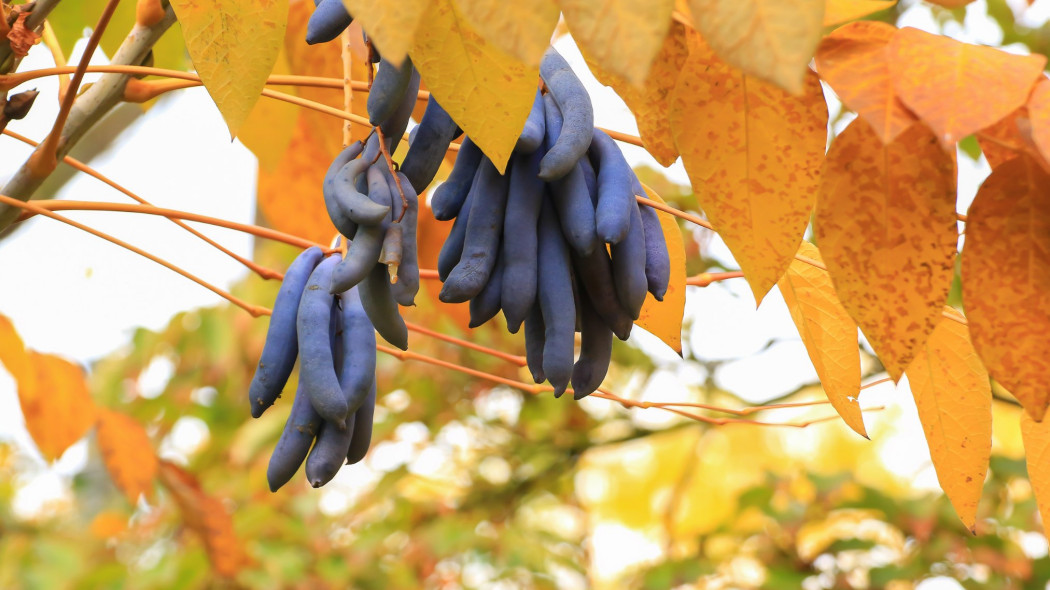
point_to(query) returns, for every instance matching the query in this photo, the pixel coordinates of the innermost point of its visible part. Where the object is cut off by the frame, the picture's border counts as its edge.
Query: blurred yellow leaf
(753, 154)
(1036, 437)
(487, 92)
(651, 102)
(1006, 279)
(234, 45)
(829, 333)
(950, 3)
(854, 61)
(207, 517)
(886, 225)
(815, 537)
(13, 354)
(290, 196)
(837, 12)
(127, 453)
(56, 404)
(769, 39)
(623, 36)
(392, 26)
(664, 318)
(985, 84)
(954, 398)
(522, 30)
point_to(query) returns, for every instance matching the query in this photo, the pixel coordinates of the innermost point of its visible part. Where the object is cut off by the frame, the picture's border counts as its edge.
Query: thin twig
(262, 271)
(393, 172)
(254, 310)
(255, 230)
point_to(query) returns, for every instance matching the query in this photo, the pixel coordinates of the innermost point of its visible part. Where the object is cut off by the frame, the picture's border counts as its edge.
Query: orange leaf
(1036, 437)
(984, 84)
(753, 153)
(290, 196)
(108, 523)
(663, 319)
(839, 11)
(886, 225)
(430, 236)
(954, 398)
(1039, 113)
(1006, 279)
(127, 453)
(854, 61)
(56, 404)
(651, 102)
(207, 517)
(828, 332)
(13, 354)
(1002, 141)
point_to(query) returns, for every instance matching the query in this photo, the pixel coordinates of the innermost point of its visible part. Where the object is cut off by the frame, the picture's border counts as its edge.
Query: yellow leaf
(663, 319)
(954, 398)
(854, 61)
(392, 26)
(289, 197)
(1036, 437)
(837, 12)
(13, 354)
(234, 45)
(770, 39)
(488, 93)
(623, 36)
(828, 332)
(950, 3)
(651, 102)
(207, 517)
(753, 154)
(56, 404)
(522, 30)
(886, 225)
(127, 453)
(985, 84)
(1006, 279)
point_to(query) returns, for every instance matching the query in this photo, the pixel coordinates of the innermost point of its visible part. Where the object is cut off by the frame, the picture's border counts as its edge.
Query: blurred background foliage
(469, 485)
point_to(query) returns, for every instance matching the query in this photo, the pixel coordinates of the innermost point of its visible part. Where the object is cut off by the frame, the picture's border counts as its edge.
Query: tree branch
(41, 8)
(89, 108)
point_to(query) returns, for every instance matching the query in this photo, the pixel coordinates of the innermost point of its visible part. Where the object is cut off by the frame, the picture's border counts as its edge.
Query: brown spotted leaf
(886, 225)
(753, 154)
(623, 36)
(984, 84)
(520, 29)
(392, 26)
(828, 332)
(854, 61)
(127, 453)
(954, 398)
(1039, 113)
(651, 102)
(207, 517)
(1003, 141)
(769, 39)
(1006, 279)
